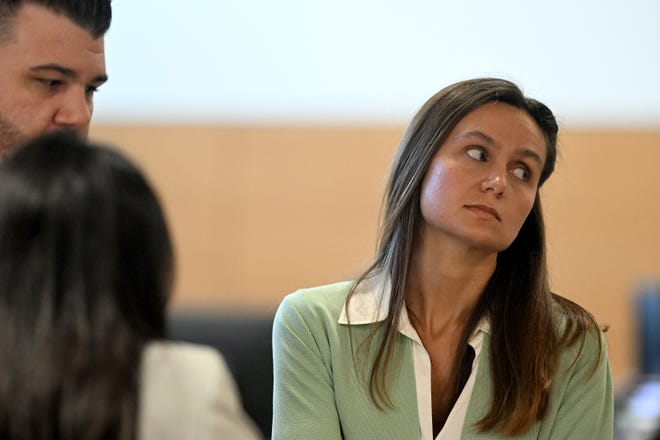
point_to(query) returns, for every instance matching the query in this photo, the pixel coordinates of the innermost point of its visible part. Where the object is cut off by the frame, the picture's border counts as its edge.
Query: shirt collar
(370, 304)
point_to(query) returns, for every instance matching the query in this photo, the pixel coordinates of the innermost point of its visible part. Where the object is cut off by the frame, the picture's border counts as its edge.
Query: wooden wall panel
(257, 212)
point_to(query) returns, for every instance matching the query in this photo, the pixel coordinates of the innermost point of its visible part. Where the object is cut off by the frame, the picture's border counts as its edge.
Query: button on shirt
(370, 304)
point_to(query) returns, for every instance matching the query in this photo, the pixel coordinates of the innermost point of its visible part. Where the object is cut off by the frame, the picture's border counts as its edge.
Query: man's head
(52, 61)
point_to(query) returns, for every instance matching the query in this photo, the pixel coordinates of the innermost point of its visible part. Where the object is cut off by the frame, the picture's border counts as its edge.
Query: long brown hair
(526, 340)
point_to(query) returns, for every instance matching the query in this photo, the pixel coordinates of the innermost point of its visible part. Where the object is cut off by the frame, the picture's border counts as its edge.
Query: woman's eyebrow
(476, 133)
(532, 155)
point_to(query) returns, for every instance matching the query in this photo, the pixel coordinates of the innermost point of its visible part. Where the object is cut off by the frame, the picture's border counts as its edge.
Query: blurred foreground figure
(86, 266)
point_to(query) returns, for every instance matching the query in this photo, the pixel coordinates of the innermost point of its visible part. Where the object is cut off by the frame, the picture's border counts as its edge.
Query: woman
(453, 331)
(85, 273)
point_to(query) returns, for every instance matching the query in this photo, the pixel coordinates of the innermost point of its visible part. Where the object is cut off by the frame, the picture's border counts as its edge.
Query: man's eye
(477, 153)
(90, 90)
(50, 83)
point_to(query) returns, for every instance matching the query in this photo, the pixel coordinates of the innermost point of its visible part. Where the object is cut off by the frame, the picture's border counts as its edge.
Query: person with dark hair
(52, 62)
(86, 268)
(453, 331)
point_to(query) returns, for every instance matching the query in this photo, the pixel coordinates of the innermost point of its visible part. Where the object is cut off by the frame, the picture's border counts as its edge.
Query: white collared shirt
(370, 304)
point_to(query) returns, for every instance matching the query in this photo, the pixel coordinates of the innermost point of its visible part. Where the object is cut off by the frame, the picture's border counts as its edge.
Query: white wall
(594, 62)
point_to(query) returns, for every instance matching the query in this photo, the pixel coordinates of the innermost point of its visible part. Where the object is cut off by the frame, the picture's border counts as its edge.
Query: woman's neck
(445, 282)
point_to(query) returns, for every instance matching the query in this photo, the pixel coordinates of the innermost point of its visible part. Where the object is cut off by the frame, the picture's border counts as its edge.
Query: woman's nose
(495, 183)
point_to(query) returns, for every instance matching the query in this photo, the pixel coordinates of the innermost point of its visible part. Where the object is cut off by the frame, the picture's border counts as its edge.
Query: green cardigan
(319, 395)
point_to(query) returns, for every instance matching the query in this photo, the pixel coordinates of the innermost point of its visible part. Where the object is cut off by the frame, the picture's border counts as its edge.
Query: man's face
(49, 70)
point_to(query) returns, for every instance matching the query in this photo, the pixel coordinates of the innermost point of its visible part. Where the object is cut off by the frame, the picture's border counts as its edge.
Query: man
(52, 62)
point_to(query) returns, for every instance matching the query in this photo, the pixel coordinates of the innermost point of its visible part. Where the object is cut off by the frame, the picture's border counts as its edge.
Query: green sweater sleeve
(303, 400)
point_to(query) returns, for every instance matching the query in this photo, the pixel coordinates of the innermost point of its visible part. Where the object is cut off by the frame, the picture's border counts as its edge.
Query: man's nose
(75, 112)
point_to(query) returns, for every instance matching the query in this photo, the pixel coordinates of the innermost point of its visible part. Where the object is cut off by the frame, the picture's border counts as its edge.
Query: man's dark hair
(92, 15)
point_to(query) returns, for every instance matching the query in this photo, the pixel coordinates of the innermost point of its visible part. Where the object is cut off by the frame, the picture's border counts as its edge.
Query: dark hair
(85, 275)
(92, 15)
(525, 341)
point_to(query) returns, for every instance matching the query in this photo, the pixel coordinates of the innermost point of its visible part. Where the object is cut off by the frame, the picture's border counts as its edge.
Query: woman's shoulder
(311, 311)
(327, 299)
(581, 401)
(582, 335)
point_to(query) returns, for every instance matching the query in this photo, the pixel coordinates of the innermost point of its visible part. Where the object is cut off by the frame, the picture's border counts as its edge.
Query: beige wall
(257, 212)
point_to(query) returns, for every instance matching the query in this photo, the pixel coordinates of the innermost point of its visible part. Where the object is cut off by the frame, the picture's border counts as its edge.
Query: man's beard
(10, 137)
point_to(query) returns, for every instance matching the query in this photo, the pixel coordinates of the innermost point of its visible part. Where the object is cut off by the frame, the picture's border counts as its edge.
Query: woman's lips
(485, 211)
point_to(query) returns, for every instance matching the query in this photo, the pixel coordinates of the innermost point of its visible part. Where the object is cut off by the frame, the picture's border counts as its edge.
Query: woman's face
(481, 184)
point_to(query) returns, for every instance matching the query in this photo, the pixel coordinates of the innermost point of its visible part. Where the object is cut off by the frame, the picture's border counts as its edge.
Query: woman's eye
(476, 153)
(521, 173)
